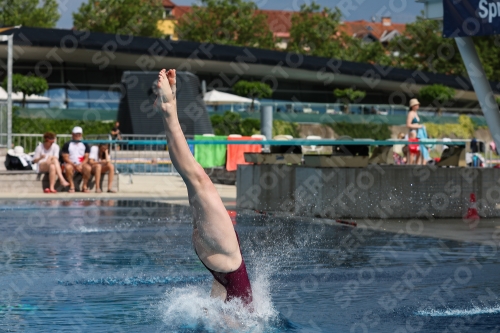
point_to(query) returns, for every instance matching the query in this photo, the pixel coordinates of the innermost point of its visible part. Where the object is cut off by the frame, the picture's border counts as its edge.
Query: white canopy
(216, 97)
(18, 97)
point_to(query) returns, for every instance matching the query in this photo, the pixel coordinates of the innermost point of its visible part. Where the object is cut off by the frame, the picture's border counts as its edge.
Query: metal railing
(30, 141)
(148, 154)
(137, 154)
(339, 108)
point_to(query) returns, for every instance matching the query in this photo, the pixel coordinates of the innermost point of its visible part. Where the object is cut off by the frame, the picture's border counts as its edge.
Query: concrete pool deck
(171, 189)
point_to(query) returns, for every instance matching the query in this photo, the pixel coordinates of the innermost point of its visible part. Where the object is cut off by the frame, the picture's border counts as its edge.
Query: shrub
(231, 123)
(463, 130)
(362, 131)
(281, 127)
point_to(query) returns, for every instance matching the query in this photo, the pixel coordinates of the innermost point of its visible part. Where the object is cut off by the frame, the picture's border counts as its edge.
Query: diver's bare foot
(165, 96)
(171, 76)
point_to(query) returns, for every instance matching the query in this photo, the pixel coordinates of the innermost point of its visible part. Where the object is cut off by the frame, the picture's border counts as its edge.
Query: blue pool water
(129, 266)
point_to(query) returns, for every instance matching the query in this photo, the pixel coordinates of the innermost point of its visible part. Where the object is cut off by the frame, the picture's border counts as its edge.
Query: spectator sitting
(414, 150)
(47, 157)
(75, 155)
(101, 163)
(399, 151)
(116, 134)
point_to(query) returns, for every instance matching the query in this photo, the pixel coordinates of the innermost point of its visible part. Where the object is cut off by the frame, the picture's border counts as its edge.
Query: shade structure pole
(10, 46)
(266, 122)
(481, 86)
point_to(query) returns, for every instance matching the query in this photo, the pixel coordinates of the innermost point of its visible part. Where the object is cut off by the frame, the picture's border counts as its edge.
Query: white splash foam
(459, 312)
(192, 307)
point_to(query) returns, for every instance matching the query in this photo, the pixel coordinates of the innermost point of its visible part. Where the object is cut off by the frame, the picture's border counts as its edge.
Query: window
(57, 97)
(104, 99)
(78, 99)
(167, 13)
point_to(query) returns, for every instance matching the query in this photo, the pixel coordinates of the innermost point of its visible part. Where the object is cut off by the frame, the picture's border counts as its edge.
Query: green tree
(30, 13)
(366, 52)
(487, 48)
(27, 85)
(437, 95)
(230, 22)
(348, 96)
(314, 31)
(422, 47)
(252, 90)
(124, 17)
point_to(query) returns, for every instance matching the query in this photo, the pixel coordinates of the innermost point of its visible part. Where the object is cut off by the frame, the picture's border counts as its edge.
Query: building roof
(168, 4)
(378, 30)
(179, 11)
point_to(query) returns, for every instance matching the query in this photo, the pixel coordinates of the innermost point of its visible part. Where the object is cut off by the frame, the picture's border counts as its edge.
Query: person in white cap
(75, 156)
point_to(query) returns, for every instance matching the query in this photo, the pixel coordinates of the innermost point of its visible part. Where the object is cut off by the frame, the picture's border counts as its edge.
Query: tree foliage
(349, 95)
(124, 17)
(27, 85)
(422, 47)
(314, 31)
(30, 13)
(231, 123)
(437, 94)
(252, 90)
(362, 131)
(230, 22)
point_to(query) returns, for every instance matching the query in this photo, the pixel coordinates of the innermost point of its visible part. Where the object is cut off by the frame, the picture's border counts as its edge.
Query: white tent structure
(18, 97)
(215, 97)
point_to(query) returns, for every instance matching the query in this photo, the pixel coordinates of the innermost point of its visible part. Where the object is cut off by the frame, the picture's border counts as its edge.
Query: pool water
(129, 266)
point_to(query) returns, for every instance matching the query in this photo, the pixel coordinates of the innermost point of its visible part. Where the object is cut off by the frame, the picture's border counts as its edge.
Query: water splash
(135, 281)
(192, 309)
(476, 310)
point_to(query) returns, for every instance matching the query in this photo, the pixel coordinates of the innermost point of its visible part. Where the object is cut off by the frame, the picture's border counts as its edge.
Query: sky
(401, 11)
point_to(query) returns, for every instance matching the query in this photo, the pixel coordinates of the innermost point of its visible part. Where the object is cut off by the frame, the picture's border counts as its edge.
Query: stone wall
(375, 192)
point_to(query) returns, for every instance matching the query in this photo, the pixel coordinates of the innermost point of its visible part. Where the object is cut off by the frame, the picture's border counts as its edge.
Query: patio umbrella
(18, 97)
(216, 97)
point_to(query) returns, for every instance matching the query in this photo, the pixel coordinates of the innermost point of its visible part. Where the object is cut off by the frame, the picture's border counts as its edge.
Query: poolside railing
(151, 156)
(148, 154)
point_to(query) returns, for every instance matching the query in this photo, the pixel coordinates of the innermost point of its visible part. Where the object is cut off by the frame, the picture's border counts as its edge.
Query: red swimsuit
(236, 283)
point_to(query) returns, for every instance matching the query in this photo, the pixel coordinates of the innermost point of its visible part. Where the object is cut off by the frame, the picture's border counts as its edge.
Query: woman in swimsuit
(413, 124)
(215, 240)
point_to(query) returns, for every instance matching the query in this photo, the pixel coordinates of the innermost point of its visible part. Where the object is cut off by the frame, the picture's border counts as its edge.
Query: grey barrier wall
(373, 192)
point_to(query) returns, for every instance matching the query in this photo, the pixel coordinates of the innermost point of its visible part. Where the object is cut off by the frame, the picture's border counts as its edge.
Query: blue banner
(464, 18)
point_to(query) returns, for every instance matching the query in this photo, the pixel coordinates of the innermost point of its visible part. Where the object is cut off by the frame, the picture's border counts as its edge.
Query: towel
(235, 153)
(209, 155)
(422, 136)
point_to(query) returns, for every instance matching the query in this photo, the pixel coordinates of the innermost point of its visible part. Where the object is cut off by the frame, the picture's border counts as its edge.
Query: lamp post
(10, 45)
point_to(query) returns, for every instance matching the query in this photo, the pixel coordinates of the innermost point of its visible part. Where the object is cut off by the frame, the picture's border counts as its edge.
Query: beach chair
(312, 149)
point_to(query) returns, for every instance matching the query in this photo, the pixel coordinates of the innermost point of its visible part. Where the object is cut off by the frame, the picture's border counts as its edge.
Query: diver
(215, 241)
